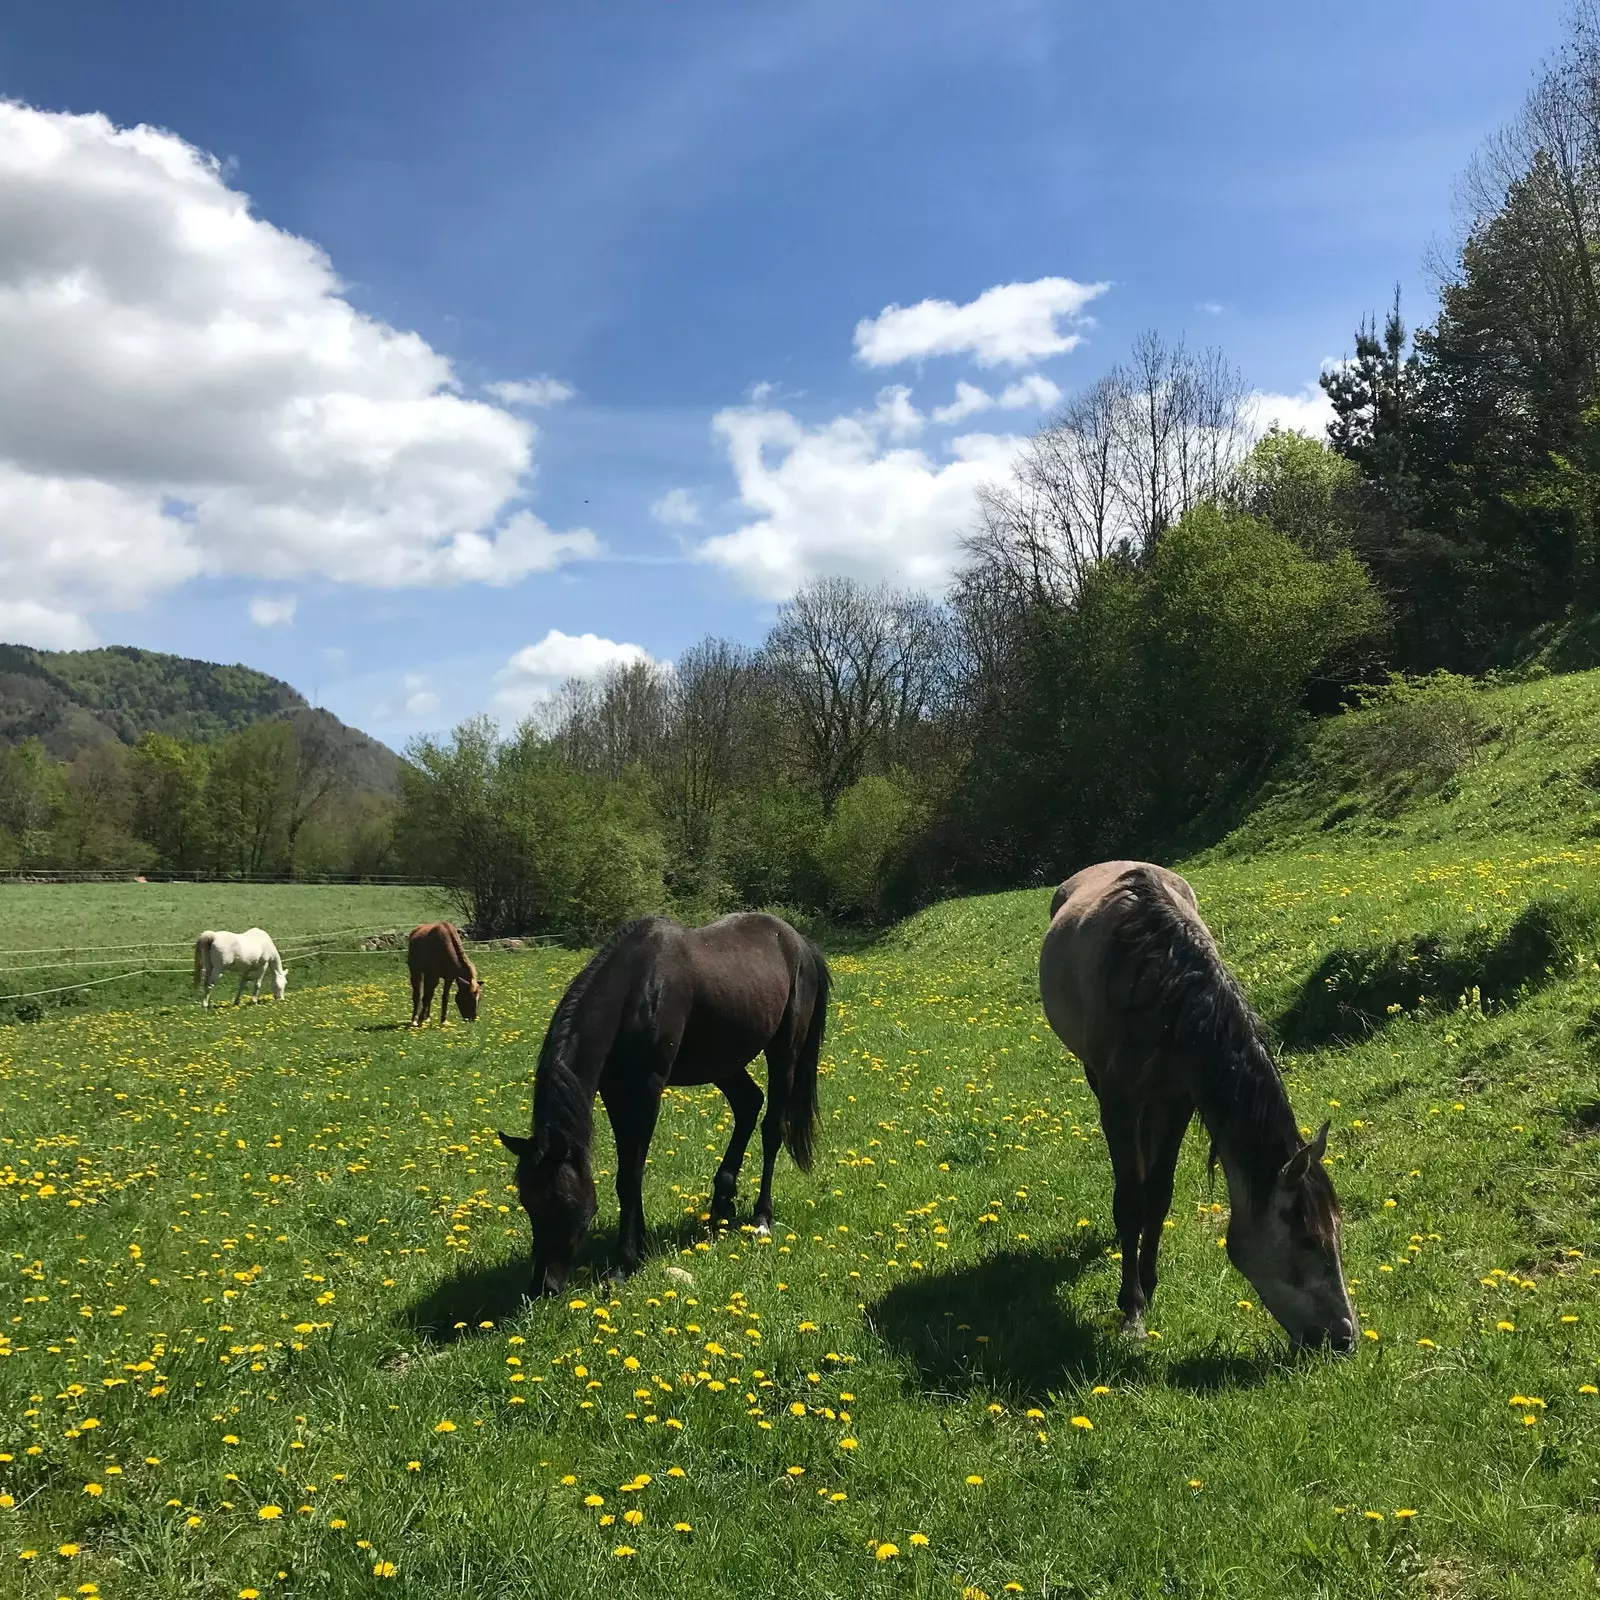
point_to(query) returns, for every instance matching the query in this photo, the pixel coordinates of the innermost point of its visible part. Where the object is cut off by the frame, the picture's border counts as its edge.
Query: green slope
(73, 699)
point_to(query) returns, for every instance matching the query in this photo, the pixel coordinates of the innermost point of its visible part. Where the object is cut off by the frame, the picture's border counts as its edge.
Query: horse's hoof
(763, 1230)
(1133, 1328)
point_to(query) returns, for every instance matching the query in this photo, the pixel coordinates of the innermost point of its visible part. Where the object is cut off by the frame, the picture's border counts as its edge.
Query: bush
(529, 844)
(871, 822)
(1426, 728)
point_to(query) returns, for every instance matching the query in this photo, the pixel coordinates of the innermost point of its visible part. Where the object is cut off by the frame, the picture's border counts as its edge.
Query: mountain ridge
(72, 700)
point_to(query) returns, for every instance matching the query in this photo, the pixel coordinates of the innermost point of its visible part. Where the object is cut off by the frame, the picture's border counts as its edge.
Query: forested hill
(71, 700)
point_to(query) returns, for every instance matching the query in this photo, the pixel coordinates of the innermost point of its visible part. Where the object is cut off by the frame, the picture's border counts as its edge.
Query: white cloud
(847, 497)
(677, 508)
(536, 671)
(1308, 412)
(1034, 392)
(969, 401)
(420, 699)
(540, 391)
(185, 390)
(268, 612)
(1012, 324)
(1212, 308)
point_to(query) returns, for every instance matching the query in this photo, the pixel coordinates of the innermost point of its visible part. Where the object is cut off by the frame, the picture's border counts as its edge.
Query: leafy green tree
(871, 822)
(530, 843)
(168, 780)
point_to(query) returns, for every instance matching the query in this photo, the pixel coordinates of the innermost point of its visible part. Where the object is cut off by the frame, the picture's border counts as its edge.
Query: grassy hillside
(265, 1332)
(72, 699)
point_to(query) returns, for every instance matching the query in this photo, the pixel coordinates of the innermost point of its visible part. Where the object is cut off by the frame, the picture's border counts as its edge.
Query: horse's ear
(1300, 1163)
(518, 1144)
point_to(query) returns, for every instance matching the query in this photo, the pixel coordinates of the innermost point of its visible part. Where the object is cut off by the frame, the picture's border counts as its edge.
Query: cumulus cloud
(847, 496)
(1012, 324)
(268, 611)
(540, 391)
(1034, 392)
(677, 508)
(186, 390)
(536, 671)
(1308, 412)
(420, 699)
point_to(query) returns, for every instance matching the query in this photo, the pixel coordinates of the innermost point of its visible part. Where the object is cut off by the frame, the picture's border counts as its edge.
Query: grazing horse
(660, 1004)
(1133, 985)
(434, 952)
(251, 951)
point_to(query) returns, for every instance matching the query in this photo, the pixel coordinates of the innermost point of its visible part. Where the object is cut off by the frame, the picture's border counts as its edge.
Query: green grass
(323, 1202)
(54, 935)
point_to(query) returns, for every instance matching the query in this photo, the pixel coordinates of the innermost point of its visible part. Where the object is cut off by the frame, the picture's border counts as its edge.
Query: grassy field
(263, 1334)
(53, 935)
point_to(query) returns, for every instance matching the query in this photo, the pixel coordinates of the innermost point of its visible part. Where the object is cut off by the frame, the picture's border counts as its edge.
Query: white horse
(251, 951)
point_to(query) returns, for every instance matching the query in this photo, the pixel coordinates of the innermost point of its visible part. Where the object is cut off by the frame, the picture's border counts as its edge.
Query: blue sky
(678, 213)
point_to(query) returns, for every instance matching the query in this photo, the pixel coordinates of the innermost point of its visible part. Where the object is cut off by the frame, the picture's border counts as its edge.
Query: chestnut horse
(434, 954)
(1134, 987)
(660, 1004)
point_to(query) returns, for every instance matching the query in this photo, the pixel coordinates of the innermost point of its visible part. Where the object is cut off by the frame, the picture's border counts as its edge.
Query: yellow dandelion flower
(1506, 1327)
(1084, 1423)
(594, 1501)
(96, 1489)
(413, 1466)
(67, 1550)
(624, 1550)
(682, 1527)
(887, 1552)
(270, 1513)
(446, 1426)
(1405, 1514)
(633, 1518)
(972, 1477)
(919, 1540)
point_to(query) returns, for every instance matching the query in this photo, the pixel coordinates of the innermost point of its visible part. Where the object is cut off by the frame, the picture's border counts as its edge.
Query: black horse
(660, 1004)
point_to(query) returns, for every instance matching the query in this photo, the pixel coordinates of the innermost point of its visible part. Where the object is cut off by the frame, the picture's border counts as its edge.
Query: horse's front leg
(244, 978)
(261, 973)
(633, 1108)
(744, 1096)
(444, 1004)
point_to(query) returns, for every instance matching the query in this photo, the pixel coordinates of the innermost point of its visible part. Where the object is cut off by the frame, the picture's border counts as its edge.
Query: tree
(529, 842)
(857, 670)
(168, 779)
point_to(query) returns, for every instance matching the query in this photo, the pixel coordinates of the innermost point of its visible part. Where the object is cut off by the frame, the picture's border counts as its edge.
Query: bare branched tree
(857, 669)
(707, 721)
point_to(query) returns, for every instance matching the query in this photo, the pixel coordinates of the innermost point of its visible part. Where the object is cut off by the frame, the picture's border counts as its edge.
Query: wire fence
(307, 945)
(399, 880)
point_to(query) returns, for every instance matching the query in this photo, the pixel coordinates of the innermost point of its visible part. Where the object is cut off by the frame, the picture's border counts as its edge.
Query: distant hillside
(72, 699)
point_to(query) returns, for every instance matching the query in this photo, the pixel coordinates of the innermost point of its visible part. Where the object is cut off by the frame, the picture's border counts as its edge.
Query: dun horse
(252, 952)
(664, 1004)
(1134, 986)
(434, 953)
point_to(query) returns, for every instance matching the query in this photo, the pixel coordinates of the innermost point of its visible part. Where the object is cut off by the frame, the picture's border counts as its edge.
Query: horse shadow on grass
(1002, 1324)
(492, 1292)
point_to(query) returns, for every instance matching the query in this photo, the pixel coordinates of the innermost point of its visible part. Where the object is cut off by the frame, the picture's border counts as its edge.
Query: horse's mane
(560, 1107)
(1191, 1006)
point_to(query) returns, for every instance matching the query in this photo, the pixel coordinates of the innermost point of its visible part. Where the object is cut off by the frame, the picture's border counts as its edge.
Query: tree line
(270, 799)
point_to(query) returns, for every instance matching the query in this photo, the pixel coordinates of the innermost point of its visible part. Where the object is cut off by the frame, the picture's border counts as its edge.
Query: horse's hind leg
(416, 999)
(244, 978)
(744, 1096)
(1127, 1206)
(780, 1077)
(1163, 1132)
(429, 984)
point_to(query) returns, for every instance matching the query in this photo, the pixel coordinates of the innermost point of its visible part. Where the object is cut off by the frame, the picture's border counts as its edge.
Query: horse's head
(280, 981)
(467, 1000)
(557, 1191)
(1288, 1247)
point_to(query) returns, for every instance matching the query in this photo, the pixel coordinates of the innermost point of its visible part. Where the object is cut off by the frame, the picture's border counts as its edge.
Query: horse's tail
(201, 946)
(800, 1111)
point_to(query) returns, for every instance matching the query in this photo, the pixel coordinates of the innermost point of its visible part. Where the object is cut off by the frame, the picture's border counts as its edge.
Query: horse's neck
(1252, 1129)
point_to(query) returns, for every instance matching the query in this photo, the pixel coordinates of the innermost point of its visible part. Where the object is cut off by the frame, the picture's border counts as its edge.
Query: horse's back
(435, 949)
(1082, 992)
